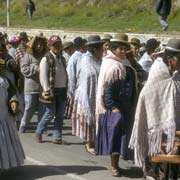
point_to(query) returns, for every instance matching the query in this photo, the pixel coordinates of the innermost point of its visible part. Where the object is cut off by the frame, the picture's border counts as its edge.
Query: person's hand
(14, 107)
(115, 110)
(37, 69)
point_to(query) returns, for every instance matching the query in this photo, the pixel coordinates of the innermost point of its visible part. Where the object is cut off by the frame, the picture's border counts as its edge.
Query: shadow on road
(132, 172)
(32, 172)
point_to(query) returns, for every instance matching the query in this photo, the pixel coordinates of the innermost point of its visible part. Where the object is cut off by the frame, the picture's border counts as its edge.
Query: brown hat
(67, 44)
(135, 42)
(94, 39)
(121, 38)
(173, 45)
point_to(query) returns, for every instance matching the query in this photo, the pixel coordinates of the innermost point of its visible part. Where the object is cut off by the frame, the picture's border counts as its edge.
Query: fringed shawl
(112, 69)
(157, 112)
(85, 94)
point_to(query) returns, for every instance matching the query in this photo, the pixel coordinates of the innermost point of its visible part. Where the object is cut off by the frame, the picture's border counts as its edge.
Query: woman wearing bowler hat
(114, 102)
(86, 92)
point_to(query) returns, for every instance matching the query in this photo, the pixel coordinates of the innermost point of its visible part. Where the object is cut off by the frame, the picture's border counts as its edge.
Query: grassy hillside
(91, 15)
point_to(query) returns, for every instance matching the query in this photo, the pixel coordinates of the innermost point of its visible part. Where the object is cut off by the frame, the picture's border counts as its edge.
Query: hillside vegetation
(91, 15)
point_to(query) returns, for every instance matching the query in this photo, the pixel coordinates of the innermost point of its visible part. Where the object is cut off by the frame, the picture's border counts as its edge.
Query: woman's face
(135, 51)
(120, 51)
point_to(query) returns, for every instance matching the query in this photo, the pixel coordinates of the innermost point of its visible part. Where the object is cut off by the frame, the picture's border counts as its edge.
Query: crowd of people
(122, 96)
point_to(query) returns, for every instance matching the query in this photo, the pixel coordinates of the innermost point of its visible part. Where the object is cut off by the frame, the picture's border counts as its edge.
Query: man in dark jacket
(30, 8)
(163, 8)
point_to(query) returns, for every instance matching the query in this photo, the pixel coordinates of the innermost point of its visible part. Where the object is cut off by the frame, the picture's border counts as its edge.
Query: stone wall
(70, 35)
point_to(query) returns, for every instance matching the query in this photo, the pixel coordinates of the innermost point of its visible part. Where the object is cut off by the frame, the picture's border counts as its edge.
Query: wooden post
(8, 13)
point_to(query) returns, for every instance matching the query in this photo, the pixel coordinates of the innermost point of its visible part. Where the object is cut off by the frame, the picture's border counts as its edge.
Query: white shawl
(86, 92)
(112, 69)
(157, 112)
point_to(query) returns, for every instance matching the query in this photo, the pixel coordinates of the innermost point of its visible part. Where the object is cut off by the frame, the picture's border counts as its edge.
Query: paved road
(47, 161)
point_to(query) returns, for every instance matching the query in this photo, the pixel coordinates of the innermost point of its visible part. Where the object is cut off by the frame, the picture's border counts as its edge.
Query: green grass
(137, 16)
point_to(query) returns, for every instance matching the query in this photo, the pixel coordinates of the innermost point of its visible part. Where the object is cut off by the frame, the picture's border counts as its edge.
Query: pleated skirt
(11, 150)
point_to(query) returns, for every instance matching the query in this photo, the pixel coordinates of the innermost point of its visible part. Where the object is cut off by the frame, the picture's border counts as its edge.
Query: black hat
(173, 45)
(94, 39)
(23, 36)
(79, 41)
(152, 44)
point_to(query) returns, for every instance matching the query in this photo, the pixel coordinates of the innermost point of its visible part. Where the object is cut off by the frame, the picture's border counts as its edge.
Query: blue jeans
(48, 112)
(31, 104)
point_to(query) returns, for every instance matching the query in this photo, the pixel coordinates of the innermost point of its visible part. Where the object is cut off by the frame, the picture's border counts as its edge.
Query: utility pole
(8, 13)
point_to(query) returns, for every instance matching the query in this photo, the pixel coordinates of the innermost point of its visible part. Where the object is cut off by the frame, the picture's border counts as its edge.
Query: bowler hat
(107, 37)
(135, 42)
(67, 44)
(173, 45)
(94, 39)
(152, 44)
(53, 39)
(121, 38)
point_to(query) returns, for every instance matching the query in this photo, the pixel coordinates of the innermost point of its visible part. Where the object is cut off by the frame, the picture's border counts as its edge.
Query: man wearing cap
(53, 81)
(85, 96)
(158, 116)
(147, 59)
